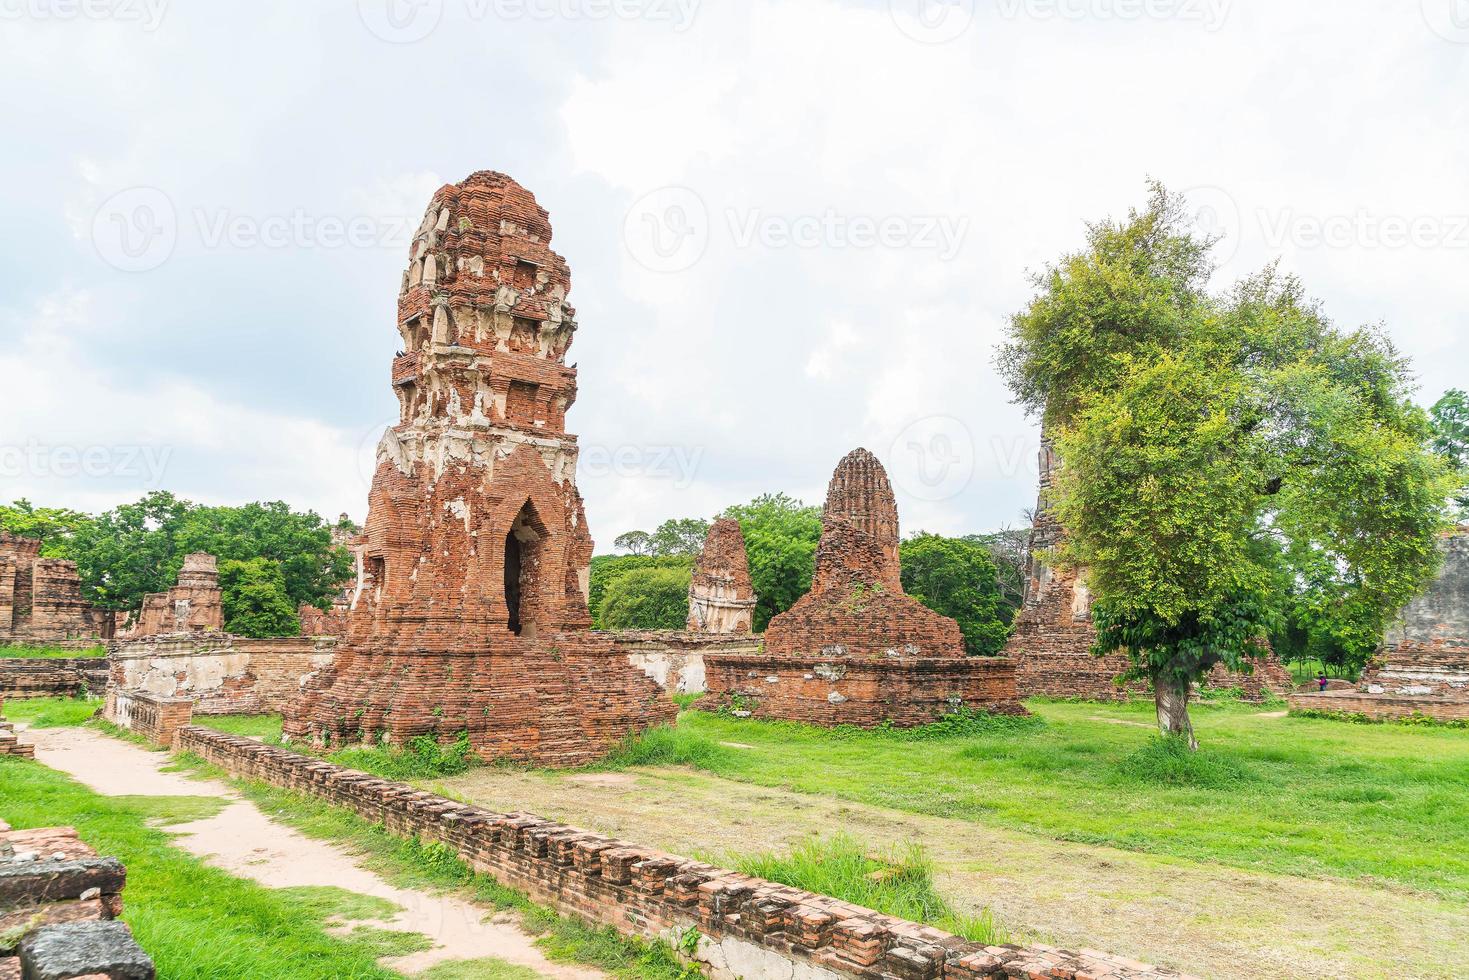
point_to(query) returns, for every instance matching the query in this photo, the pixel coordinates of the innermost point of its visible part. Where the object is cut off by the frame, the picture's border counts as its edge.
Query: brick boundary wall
(747, 927)
(1380, 707)
(860, 690)
(45, 677)
(157, 719)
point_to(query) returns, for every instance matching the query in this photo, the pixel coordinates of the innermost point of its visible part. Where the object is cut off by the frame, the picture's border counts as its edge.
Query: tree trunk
(1171, 696)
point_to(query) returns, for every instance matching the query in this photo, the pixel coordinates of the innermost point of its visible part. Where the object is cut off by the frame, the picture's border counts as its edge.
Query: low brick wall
(220, 673)
(747, 927)
(44, 677)
(156, 719)
(1381, 707)
(861, 691)
(675, 658)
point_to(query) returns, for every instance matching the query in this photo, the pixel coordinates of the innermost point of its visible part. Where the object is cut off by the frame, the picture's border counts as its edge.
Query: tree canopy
(956, 577)
(255, 599)
(647, 599)
(780, 540)
(1202, 436)
(1450, 417)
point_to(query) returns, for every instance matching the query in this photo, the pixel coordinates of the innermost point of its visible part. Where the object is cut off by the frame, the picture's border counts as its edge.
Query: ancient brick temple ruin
(1423, 665)
(192, 605)
(473, 611)
(856, 649)
(721, 598)
(1053, 633)
(41, 600)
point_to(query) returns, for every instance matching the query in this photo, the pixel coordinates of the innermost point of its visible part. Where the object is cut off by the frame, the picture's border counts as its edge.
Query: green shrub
(647, 599)
(666, 745)
(1168, 761)
(423, 757)
(898, 882)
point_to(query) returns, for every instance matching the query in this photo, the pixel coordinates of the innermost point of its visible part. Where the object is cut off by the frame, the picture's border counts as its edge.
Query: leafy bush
(423, 757)
(607, 569)
(647, 599)
(254, 598)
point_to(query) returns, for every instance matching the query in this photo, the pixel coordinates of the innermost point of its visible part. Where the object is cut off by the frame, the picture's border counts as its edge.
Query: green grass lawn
(48, 653)
(1385, 803)
(51, 712)
(198, 922)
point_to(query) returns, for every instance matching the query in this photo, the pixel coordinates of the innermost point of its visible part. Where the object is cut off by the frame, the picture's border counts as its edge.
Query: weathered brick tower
(721, 598)
(473, 611)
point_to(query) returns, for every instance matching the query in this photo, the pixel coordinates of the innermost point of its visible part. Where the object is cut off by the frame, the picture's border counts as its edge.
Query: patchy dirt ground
(246, 843)
(1205, 919)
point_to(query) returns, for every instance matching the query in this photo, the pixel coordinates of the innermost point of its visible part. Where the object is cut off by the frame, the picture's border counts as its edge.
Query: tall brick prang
(472, 612)
(856, 649)
(721, 598)
(41, 599)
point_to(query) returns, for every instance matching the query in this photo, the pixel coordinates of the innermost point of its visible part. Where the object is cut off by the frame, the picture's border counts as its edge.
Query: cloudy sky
(794, 226)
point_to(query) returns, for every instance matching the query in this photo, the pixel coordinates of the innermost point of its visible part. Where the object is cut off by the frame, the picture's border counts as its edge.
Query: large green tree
(255, 599)
(300, 544)
(780, 540)
(129, 551)
(956, 577)
(1192, 427)
(607, 569)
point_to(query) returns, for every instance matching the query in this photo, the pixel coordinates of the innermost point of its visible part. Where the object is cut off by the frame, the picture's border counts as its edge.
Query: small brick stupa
(473, 611)
(721, 598)
(856, 649)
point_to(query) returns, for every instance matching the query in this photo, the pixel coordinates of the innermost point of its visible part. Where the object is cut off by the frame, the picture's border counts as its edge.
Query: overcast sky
(793, 227)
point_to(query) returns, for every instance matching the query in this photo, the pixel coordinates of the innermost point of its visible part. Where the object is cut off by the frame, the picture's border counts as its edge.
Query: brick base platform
(746, 926)
(859, 690)
(48, 677)
(10, 743)
(1381, 707)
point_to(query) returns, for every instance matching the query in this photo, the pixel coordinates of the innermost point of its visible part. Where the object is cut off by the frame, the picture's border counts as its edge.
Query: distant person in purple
(1321, 681)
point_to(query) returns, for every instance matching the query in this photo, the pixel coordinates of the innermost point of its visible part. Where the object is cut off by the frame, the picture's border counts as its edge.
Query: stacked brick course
(52, 677)
(58, 906)
(746, 926)
(856, 649)
(721, 598)
(1423, 666)
(472, 613)
(1053, 634)
(41, 599)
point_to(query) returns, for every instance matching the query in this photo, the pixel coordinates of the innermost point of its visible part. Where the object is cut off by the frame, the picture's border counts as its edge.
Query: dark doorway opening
(512, 581)
(523, 553)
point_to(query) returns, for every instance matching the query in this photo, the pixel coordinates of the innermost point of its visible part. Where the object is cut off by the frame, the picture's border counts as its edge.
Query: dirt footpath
(1202, 918)
(243, 841)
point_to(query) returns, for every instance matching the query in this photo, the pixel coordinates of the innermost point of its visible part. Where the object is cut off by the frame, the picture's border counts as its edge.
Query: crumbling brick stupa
(856, 649)
(721, 598)
(41, 600)
(1052, 639)
(472, 614)
(1422, 667)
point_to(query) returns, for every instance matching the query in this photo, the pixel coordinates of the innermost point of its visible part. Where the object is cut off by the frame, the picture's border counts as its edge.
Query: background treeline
(271, 558)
